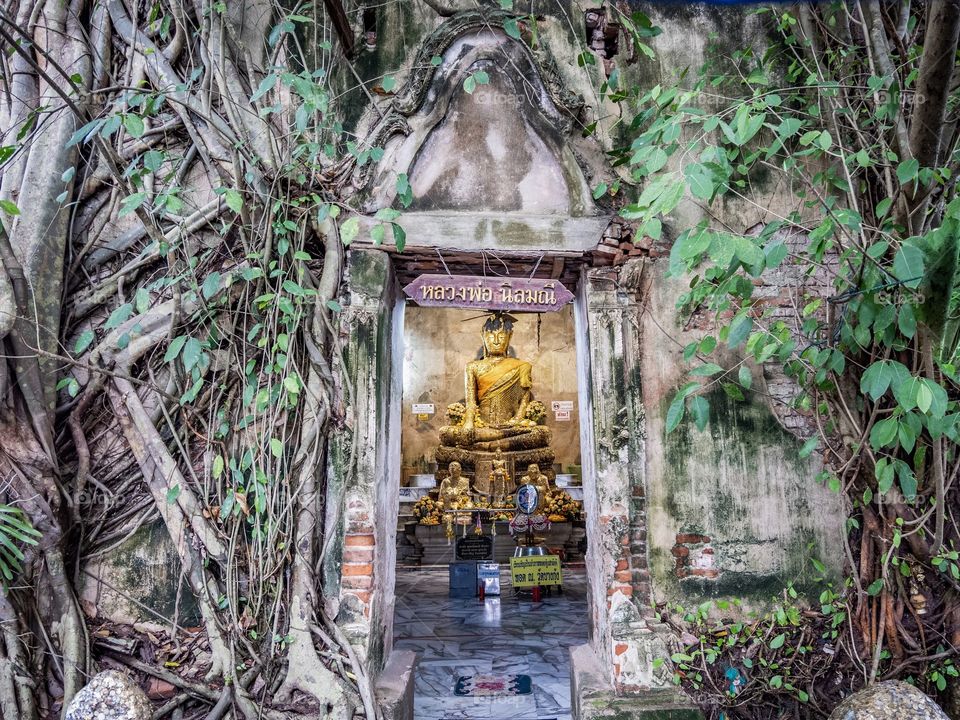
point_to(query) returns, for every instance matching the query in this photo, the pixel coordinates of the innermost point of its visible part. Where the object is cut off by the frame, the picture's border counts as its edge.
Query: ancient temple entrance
(487, 645)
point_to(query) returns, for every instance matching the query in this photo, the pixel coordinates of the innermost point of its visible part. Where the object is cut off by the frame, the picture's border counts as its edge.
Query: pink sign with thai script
(489, 293)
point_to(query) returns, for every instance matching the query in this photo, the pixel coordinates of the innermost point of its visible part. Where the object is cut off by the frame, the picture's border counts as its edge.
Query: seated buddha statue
(497, 428)
(498, 400)
(455, 491)
(540, 481)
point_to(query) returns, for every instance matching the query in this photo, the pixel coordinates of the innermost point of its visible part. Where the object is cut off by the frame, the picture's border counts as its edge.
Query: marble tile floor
(504, 635)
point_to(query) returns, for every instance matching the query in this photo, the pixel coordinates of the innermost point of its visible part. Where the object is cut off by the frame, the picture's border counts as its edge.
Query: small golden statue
(455, 490)
(540, 481)
(499, 482)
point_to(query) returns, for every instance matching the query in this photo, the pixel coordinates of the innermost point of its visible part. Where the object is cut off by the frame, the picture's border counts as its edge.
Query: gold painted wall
(438, 343)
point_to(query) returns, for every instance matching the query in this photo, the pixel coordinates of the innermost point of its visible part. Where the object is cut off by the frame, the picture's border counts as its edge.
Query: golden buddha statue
(499, 412)
(540, 481)
(498, 395)
(455, 490)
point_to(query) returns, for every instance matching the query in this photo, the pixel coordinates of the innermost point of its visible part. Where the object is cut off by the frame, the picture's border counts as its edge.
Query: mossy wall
(733, 511)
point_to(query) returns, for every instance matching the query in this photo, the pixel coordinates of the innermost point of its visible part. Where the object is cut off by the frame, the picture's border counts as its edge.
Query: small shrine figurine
(538, 480)
(455, 490)
(499, 482)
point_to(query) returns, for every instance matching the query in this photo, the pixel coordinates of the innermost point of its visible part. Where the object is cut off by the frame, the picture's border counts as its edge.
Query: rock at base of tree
(110, 695)
(886, 701)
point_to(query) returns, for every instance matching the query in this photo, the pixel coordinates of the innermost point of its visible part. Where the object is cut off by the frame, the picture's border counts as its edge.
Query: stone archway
(539, 218)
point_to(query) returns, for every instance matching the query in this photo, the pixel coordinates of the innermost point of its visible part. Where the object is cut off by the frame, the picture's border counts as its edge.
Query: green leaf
(745, 377)
(175, 347)
(907, 170)
(700, 181)
(789, 127)
(265, 86)
(276, 447)
(192, 350)
(481, 77)
(775, 254)
(906, 392)
(700, 411)
(809, 446)
(173, 493)
(83, 342)
(119, 316)
(469, 84)
(706, 370)
(211, 284)
(389, 83)
(739, 330)
(387, 214)
(908, 485)
(884, 432)
(778, 641)
(349, 229)
(399, 236)
(234, 200)
(217, 469)
(937, 406)
(134, 125)
(510, 28)
(733, 391)
(130, 203)
(141, 300)
(599, 191)
(675, 412)
(678, 404)
(9, 207)
(908, 265)
(747, 252)
(884, 472)
(907, 320)
(875, 587)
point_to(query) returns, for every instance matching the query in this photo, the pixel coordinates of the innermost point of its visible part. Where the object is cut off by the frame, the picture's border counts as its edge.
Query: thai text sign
(474, 547)
(535, 570)
(488, 293)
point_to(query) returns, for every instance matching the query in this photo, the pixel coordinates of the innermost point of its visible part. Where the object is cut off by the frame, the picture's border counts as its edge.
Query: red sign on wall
(488, 293)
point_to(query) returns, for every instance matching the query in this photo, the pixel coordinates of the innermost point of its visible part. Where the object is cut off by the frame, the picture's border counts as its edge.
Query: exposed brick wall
(694, 557)
(638, 564)
(357, 572)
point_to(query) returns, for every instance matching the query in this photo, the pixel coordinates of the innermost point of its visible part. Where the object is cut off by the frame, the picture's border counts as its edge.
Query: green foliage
(867, 251)
(15, 532)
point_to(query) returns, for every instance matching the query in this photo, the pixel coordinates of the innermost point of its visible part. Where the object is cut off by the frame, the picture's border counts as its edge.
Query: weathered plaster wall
(438, 343)
(362, 483)
(139, 582)
(732, 511)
